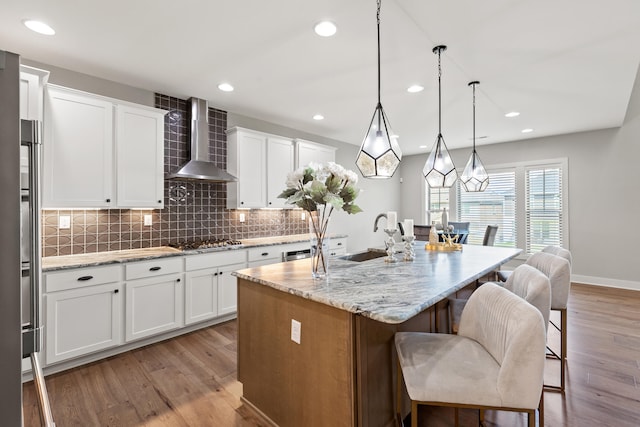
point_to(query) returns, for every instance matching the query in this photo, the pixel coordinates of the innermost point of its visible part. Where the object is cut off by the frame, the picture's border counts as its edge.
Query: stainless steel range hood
(199, 167)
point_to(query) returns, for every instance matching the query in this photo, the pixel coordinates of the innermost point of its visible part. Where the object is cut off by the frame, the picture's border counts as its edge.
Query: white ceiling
(567, 65)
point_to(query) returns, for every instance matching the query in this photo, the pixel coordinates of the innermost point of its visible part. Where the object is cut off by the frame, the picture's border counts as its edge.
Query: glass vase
(319, 241)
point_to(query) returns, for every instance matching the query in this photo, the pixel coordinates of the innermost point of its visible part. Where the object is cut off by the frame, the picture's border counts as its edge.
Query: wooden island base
(341, 374)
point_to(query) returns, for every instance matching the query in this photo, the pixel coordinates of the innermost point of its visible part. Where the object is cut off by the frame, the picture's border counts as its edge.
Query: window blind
(543, 208)
(494, 206)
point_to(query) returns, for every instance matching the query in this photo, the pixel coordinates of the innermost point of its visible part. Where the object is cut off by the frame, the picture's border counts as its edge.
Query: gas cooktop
(204, 244)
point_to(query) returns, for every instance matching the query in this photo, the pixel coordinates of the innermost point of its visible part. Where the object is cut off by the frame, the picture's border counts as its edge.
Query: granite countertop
(386, 292)
(112, 257)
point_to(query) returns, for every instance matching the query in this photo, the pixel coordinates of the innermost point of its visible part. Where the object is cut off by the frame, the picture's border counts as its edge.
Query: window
(437, 198)
(494, 206)
(543, 208)
(527, 201)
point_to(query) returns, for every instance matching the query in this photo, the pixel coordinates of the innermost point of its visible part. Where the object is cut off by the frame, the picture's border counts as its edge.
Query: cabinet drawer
(156, 267)
(338, 243)
(217, 259)
(266, 252)
(81, 277)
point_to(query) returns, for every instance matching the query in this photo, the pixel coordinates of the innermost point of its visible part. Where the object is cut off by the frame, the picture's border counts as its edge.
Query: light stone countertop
(129, 255)
(389, 293)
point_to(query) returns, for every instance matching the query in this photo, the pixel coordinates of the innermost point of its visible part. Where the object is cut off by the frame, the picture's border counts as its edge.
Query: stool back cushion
(558, 251)
(558, 270)
(533, 286)
(512, 331)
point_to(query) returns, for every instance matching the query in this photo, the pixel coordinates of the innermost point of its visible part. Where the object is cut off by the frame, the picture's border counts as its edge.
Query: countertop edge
(120, 257)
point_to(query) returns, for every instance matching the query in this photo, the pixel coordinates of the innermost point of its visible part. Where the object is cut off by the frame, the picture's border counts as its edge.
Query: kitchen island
(341, 370)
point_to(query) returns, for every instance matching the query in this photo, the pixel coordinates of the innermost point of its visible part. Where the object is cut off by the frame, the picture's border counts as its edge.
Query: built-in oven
(296, 254)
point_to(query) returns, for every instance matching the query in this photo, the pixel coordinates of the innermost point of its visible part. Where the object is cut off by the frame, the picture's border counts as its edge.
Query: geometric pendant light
(475, 177)
(439, 170)
(380, 154)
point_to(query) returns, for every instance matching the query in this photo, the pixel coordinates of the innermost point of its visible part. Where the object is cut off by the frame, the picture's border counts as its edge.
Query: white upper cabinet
(32, 81)
(100, 152)
(77, 151)
(307, 152)
(139, 157)
(261, 162)
(279, 164)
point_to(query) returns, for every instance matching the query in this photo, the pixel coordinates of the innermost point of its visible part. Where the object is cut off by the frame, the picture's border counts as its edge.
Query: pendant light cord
(378, 23)
(439, 96)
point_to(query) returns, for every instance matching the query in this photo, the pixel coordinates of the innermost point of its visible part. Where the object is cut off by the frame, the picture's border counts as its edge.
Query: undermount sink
(364, 255)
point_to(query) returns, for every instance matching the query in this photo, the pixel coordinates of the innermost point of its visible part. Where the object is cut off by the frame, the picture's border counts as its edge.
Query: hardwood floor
(191, 380)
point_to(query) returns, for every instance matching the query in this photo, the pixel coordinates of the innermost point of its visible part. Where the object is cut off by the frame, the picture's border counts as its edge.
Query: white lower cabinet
(338, 246)
(154, 298)
(210, 289)
(83, 314)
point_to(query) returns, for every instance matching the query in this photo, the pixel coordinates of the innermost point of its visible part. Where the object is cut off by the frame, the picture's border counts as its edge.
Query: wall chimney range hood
(199, 167)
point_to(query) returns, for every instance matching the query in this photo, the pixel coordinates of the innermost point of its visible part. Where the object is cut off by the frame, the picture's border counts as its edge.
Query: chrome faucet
(375, 223)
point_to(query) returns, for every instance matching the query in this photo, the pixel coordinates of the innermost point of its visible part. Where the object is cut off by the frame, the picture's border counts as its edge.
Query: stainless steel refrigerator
(20, 323)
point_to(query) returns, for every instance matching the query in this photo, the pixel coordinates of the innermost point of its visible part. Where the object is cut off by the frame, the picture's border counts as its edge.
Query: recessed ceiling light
(225, 87)
(528, 130)
(39, 27)
(415, 88)
(318, 117)
(325, 28)
(422, 146)
(512, 114)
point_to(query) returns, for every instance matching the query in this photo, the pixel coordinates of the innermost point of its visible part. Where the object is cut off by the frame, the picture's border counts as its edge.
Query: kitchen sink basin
(364, 255)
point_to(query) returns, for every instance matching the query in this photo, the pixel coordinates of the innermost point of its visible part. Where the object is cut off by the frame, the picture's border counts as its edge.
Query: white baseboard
(606, 282)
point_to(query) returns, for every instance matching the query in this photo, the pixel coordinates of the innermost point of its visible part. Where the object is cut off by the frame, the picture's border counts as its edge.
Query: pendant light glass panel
(439, 170)
(474, 177)
(380, 153)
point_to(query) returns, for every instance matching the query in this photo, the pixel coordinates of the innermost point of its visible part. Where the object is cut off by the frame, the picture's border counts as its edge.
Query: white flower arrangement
(315, 187)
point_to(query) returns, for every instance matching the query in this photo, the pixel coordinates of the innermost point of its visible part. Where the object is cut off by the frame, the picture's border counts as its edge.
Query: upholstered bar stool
(495, 362)
(503, 275)
(558, 270)
(527, 282)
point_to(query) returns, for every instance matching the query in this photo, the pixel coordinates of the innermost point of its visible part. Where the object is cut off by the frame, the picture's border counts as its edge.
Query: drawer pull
(116, 291)
(265, 253)
(177, 280)
(108, 200)
(340, 244)
(215, 274)
(84, 278)
(155, 268)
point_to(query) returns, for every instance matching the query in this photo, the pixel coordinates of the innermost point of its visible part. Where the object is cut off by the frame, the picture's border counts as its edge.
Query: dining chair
(558, 270)
(490, 235)
(461, 226)
(495, 362)
(422, 232)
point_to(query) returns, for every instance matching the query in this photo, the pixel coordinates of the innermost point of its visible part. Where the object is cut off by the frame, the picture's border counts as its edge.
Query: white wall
(604, 193)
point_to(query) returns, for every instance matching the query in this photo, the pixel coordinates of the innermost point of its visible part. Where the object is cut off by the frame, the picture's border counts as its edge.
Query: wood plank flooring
(191, 380)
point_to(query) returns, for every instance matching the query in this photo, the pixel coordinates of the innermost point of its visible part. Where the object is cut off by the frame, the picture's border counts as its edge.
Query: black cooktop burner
(204, 244)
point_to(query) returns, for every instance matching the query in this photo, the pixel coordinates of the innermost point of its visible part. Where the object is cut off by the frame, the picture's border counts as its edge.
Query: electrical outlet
(296, 331)
(65, 222)
(148, 219)
(303, 216)
(242, 217)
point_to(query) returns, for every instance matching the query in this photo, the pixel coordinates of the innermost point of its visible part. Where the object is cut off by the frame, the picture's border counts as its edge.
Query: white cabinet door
(307, 152)
(228, 289)
(139, 158)
(279, 164)
(247, 161)
(82, 320)
(77, 151)
(153, 305)
(32, 81)
(201, 293)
